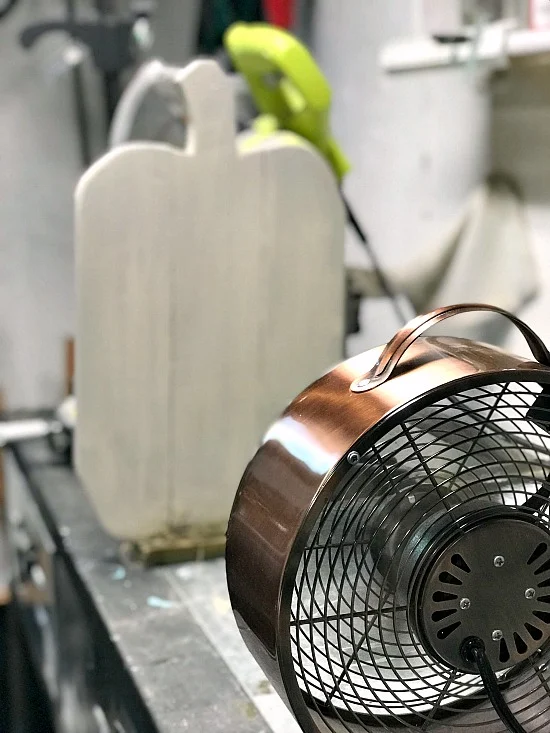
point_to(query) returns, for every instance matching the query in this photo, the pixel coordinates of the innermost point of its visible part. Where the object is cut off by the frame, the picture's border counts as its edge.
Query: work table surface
(172, 626)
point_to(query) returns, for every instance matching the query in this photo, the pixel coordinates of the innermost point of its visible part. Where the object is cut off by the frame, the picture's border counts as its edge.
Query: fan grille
(357, 656)
(467, 593)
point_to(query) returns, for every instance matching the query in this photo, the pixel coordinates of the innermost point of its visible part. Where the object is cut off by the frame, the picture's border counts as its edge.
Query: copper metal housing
(311, 446)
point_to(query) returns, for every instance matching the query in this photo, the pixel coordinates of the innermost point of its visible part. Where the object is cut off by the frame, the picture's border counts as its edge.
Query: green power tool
(288, 87)
(287, 84)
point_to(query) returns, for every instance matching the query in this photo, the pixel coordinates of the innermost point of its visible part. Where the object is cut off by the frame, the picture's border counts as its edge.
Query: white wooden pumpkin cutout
(210, 290)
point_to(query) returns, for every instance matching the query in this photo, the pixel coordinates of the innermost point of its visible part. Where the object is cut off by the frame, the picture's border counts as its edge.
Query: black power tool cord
(7, 8)
(385, 286)
(473, 652)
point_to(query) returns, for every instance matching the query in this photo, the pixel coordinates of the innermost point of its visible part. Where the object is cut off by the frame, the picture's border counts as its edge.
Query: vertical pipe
(81, 114)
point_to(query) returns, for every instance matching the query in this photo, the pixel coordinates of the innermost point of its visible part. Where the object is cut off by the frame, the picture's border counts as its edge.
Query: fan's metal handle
(394, 350)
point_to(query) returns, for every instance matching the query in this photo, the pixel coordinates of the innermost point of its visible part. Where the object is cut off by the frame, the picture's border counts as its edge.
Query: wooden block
(210, 290)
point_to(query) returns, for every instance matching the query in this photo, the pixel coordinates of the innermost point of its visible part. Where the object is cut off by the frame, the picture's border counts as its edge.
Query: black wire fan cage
(415, 594)
(362, 624)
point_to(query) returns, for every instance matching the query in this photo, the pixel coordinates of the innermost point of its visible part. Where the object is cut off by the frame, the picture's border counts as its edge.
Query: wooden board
(209, 292)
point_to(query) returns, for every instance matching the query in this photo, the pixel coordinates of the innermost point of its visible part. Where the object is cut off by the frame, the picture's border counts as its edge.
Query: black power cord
(385, 286)
(473, 652)
(7, 7)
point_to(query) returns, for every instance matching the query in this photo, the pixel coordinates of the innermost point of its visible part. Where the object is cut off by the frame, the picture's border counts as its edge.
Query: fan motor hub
(491, 579)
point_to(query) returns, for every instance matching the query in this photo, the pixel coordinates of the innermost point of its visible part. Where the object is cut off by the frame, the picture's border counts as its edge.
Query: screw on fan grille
(473, 590)
(358, 654)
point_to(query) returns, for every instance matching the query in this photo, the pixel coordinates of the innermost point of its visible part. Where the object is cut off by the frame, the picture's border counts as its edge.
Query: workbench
(115, 646)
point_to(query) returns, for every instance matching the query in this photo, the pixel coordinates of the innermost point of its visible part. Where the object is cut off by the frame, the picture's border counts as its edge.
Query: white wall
(39, 167)
(521, 146)
(418, 142)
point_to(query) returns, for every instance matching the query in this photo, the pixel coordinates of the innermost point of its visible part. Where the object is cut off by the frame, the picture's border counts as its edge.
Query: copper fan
(388, 552)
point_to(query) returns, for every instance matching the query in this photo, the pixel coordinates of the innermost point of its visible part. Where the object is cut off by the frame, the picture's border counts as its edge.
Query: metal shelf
(495, 46)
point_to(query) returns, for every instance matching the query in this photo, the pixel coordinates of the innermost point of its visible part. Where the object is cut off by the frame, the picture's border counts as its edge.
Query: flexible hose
(149, 75)
(473, 652)
(383, 282)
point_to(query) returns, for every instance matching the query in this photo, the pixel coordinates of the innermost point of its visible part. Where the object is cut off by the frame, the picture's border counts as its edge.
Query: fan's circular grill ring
(356, 654)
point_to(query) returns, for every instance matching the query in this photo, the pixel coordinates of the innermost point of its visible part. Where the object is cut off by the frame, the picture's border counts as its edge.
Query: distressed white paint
(202, 586)
(209, 292)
